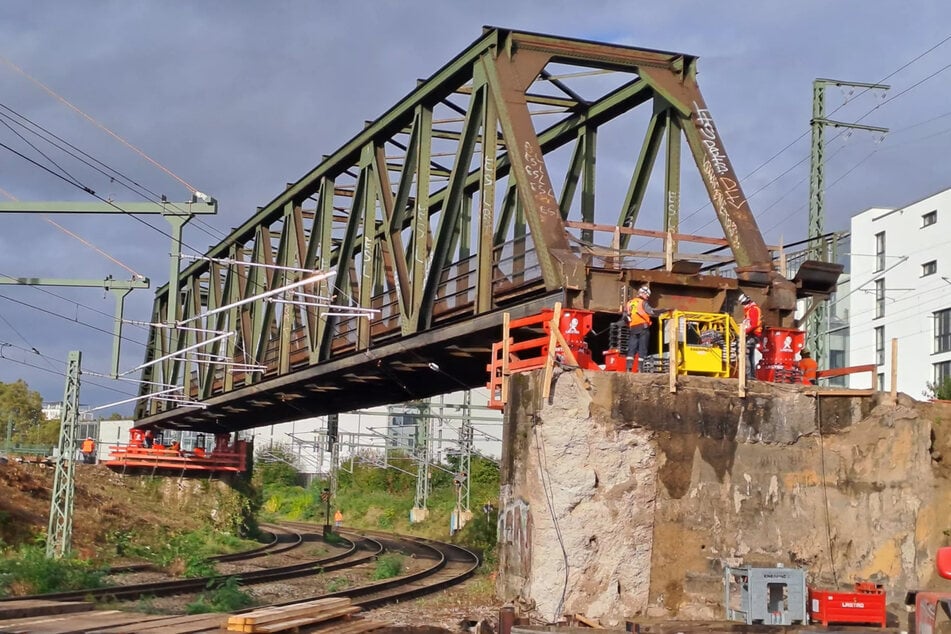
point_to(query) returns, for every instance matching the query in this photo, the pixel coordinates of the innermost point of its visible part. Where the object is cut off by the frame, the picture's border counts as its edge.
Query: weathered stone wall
(643, 496)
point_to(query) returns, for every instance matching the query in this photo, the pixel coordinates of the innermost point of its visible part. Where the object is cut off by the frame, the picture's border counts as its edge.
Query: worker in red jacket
(753, 329)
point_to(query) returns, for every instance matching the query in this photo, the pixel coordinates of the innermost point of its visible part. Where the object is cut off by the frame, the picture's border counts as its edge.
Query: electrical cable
(546, 488)
(40, 288)
(825, 489)
(75, 321)
(62, 374)
(101, 126)
(30, 347)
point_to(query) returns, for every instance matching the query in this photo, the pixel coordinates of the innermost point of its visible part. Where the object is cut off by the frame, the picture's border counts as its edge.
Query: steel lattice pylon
(474, 195)
(60, 531)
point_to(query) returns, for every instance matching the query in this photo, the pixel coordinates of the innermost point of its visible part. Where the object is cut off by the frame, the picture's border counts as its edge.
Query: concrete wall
(643, 496)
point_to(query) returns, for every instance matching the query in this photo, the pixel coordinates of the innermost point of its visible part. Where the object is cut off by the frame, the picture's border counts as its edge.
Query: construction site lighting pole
(818, 248)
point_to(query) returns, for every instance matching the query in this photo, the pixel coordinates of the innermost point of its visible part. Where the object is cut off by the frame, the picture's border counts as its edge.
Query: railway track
(447, 564)
(280, 540)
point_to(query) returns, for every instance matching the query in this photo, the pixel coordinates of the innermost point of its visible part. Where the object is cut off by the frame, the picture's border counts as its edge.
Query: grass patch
(388, 565)
(337, 584)
(28, 571)
(222, 596)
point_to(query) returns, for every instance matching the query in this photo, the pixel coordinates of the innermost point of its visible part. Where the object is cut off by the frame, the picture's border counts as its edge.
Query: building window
(881, 381)
(929, 268)
(929, 218)
(880, 345)
(942, 372)
(837, 360)
(942, 330)
(880, 251)
(880, 298)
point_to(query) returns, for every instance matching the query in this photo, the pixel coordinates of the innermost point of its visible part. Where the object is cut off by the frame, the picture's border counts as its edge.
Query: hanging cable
(75, 321)
(101, 126)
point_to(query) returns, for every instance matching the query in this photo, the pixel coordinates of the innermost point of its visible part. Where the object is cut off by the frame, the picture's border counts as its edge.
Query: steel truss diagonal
(474, 195)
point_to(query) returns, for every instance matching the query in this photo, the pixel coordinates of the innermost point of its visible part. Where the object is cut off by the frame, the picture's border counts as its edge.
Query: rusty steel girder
(474, 195)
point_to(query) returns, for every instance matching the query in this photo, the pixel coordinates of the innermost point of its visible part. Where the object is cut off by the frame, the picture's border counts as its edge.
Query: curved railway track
(351, 556)
(281, 540)
(447, 564)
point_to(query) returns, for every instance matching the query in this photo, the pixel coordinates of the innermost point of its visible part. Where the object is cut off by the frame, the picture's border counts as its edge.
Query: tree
(22, 407)
(940, 391)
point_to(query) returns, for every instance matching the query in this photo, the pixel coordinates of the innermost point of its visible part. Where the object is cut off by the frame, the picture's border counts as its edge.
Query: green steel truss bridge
(384, 273)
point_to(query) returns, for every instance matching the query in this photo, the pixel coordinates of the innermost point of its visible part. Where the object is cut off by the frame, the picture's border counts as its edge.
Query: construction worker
(639, 312)
(753, 329)
(88, 449)
(338, 518)
(808, 367)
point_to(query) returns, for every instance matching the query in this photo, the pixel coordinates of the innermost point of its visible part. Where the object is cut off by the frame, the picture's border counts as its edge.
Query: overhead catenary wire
(98, 124)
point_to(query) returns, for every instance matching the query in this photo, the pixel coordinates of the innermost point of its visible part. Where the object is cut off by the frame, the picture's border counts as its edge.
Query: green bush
(388, 565)
(337, 584)
(223, 596)
(28, 571)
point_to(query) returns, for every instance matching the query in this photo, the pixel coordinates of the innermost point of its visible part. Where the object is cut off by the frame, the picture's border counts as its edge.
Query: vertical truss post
(672, 185)
(490, 149)
(60, 530)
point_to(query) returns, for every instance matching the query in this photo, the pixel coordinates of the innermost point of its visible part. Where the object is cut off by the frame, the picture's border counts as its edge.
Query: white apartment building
(900, 264)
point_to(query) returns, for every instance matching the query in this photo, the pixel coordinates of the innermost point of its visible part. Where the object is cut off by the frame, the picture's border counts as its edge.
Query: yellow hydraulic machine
(707, 343)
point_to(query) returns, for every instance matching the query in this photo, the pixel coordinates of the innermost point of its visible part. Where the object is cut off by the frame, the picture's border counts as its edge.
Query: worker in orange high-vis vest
(88, 449)
(753, 329)
(639, 313)
(808, 367)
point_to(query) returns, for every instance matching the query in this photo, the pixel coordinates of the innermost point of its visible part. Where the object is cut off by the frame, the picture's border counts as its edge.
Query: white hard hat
(744, 298)
(645, 291)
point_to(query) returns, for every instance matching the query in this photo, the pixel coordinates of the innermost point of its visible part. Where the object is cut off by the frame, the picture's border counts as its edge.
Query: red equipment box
(865, 605)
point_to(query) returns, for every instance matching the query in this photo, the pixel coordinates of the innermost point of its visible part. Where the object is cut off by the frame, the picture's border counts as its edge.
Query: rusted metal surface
(442, 214)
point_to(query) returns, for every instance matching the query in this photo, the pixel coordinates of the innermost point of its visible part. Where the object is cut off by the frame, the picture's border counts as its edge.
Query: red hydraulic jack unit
(779, 347)
(866, 604)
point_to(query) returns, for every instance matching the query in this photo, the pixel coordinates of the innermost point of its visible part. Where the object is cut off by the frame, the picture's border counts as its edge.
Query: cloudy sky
(238, 98)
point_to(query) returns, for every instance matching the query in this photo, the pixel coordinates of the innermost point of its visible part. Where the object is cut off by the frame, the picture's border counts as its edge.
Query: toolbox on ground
(865, 604)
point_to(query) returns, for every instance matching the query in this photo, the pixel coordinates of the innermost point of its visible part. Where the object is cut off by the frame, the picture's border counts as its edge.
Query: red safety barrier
(527, 341)
(161, 458)
(866, 604)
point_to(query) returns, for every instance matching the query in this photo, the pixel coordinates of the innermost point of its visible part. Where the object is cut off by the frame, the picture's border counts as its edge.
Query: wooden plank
(65, 624)
(31, 607)
(842, 392)
(151, 624)
(300, 622)
(581, 618)
(266, 615)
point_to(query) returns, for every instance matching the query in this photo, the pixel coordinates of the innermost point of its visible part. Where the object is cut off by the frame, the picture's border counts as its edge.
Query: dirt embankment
(105, 504)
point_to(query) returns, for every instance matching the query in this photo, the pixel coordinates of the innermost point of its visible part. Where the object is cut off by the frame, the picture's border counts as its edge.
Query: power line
(99, 125)
(76, 321)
